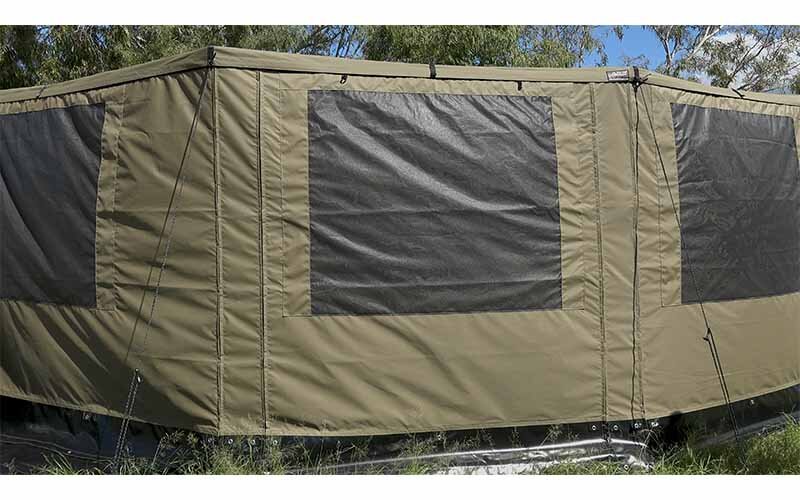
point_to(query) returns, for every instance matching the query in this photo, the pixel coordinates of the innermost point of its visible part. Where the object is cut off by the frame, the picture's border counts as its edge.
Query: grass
(777, 452)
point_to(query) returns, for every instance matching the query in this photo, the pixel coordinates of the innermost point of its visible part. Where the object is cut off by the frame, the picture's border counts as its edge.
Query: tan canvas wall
(390, 374)
(757, 338)
(83, 357)
(234, 346)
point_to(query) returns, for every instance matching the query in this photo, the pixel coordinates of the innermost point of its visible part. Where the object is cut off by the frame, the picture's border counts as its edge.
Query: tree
(562, 46)
(553, 46)
(765, 58)
(472, 45)
(31, 55)
(755, 58)
(682, 45)
(20, 55)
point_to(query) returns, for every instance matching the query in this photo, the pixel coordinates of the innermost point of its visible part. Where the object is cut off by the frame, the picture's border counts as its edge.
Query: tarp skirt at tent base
(33, 436)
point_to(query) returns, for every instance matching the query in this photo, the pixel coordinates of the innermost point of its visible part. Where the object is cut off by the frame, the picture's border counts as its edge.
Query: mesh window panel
(426, 203)
(49, 163)
(739, 185)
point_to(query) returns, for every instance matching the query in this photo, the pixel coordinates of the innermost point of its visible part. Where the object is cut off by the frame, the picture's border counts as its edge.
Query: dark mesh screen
(49, 163)
(432, 203)
(739, 185)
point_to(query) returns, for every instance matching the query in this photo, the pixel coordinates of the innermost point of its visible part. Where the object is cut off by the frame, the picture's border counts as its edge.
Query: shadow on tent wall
(31, 432)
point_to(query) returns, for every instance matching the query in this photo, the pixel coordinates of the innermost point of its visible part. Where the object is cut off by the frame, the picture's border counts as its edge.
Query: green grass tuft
(777, 452)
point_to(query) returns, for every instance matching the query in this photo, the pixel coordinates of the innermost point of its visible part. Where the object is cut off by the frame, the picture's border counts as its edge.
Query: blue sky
(637, 41)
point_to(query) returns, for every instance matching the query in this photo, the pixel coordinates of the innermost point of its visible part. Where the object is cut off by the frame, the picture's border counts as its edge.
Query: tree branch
(710, 32)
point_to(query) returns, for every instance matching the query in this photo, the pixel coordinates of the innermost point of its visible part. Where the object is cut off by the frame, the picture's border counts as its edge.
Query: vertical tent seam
(281, 144)
(261, 256)
(117, 166)
(558, 198)
(600, 261)
(307, 172)
(218, 251)
(636, 326)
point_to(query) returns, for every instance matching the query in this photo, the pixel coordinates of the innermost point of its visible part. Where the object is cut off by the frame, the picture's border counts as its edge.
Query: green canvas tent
(254, 243)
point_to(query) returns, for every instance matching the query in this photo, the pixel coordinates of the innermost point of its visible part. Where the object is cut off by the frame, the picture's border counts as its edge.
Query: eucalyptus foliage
(758, 58)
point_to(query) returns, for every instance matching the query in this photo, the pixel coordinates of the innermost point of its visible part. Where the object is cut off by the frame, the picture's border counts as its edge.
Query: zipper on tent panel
(600, 261)
(636, 349)
(218, 249)
(261, 254)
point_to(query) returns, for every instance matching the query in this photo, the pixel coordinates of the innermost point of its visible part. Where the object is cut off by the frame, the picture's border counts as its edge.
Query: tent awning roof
(225, 57)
